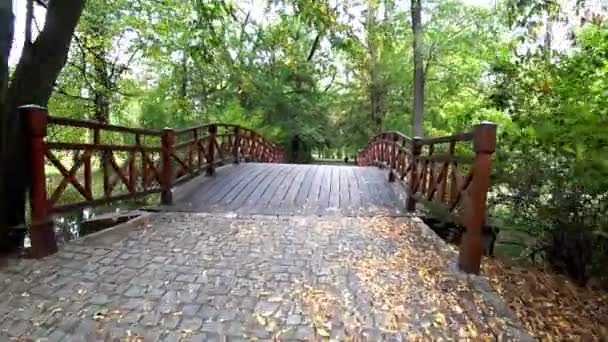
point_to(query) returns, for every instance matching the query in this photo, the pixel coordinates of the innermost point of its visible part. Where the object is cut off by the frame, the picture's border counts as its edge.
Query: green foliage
(552, 163)
(324, 76)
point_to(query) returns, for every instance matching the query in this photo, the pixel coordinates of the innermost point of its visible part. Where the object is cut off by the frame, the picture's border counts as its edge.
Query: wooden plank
(288, 203)
(231, 192)
(364, 189)
(325, 190)
(305, 189)
(353, 189)
(275, 204)
(312, 200)
(63, 121)
(252, 185)
(344, 187)
(232, 181)
(269, 193)
(218, 182)
(383, 190)
(256, 197)
(98, 147)
(334, 186)
(373, 190)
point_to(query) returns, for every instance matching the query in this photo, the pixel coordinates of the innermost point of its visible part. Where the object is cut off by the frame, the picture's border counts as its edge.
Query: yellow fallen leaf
(323, 332)
(261, 320)
(440, 318)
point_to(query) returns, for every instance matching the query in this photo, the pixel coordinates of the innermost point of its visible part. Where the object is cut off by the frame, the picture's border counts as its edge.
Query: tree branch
(61, 91)
(82, 68)
(314, 47)
(331, 83)
(29, 16)
(41, 3)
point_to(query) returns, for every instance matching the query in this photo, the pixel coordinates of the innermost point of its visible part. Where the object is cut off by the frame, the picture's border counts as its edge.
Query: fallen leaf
(323, 332)
(261, 320)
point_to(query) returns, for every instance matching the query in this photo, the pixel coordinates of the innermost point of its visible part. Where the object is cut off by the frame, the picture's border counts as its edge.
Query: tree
(104, 47)
(419, 77)
(32, 83)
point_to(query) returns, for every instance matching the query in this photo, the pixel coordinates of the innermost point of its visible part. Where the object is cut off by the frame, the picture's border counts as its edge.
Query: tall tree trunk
(375, 88)
(32, 83)
(418, 110)
(102, 86)
(6, 40)
(183, 93)
(548, 38)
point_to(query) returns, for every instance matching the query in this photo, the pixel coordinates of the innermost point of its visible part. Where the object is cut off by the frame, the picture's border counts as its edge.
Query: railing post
(167, 141)
(484, 144)
(88, 176)
(42, 232)
(199, 153)
(191, 151)
(235, 147)
(211, 149)
(393, 159)
(384, 158)
(381, 151)
(411, 201)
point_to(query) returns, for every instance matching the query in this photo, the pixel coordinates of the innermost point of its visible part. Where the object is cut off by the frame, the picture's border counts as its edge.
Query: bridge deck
(324, 268)
(288, 189)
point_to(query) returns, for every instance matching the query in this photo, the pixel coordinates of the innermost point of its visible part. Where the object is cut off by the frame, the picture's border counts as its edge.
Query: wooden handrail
(57, 120)
(152, 161)
(438, 177)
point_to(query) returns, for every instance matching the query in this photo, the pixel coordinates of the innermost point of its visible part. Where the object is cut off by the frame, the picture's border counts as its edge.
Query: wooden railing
(444, 171)
(105, 163)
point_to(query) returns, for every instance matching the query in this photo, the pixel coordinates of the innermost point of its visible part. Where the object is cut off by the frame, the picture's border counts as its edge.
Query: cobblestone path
(225, 278)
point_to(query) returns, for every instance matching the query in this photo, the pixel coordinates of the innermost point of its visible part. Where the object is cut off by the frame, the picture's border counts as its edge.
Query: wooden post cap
(36, 118)
(484, 137)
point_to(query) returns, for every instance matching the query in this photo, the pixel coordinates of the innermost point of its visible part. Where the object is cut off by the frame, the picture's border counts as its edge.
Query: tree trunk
(102, 85)
(376, 87)
(32, 83)
(548, 39)
(418, 110)
(6, 40)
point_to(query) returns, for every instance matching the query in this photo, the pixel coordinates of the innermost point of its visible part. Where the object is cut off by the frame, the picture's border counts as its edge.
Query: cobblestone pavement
(220, 277)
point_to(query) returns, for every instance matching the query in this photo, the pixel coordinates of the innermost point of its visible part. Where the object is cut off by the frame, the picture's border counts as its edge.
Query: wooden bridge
(241, 232)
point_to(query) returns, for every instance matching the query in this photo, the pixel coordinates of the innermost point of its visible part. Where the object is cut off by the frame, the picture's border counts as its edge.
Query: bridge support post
(412, 180)
(211, 149)
(237, 143)
(42, 232)
(484, 144)
(167, 142)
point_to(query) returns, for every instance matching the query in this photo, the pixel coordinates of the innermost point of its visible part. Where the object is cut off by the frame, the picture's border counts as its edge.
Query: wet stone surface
(202, 277)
